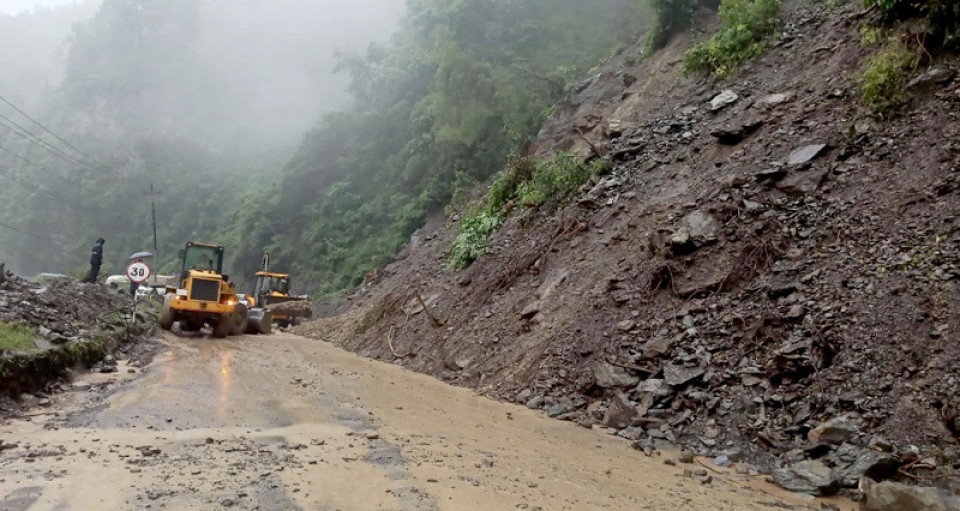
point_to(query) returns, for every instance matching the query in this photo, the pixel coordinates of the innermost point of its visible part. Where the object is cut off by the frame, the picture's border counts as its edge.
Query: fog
(33, 45)
(223, 73)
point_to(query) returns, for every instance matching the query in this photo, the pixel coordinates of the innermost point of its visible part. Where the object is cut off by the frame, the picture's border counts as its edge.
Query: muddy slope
(745, 274)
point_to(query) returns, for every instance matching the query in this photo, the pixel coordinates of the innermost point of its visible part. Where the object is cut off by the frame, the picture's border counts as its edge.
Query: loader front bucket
(259, 321)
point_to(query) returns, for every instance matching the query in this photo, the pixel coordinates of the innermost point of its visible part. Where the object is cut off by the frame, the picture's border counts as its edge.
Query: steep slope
(745, 274)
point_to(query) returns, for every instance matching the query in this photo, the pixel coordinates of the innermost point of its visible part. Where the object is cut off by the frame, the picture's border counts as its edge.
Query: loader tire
(240, 320)
(166, 314)
(223, 326)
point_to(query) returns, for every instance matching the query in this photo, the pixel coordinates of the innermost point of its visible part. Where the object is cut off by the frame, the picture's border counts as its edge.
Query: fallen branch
(708, 467)
(390, 342)
(436, 322)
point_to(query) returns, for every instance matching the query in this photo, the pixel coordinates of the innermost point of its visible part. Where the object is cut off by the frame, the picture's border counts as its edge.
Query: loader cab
(200, 257)
(276, 284)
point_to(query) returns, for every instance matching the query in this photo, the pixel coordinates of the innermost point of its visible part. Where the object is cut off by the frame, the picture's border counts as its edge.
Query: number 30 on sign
(138, 272)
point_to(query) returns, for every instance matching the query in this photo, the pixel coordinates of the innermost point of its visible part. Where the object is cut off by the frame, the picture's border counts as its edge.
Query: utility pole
(153, 213)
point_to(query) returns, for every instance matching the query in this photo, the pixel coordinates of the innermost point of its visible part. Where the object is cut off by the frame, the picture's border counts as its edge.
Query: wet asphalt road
(281, 422)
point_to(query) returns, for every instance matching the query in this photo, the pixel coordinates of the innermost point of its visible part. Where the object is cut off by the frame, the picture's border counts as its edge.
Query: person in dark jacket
(96, 259)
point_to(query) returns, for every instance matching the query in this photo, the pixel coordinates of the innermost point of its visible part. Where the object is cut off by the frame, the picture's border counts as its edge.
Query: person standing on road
(96, 259)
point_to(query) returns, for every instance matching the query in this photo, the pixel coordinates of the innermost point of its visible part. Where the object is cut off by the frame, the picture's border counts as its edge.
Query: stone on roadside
(834, 432)
(888, 496)
(80, 386)
(620, 413)
(686, 456)
(875, 465)
(810, 477)
(608, 375)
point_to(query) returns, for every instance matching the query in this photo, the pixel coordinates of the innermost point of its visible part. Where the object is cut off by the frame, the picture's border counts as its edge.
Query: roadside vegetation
(747, 24)
(524, 183)
(16, 337)
(884, 75)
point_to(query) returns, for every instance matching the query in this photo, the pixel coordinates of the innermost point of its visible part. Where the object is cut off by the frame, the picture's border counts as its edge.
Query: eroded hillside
(764, 257)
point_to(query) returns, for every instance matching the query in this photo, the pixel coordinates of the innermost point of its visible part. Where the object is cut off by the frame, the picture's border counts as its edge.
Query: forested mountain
(206, 99)
(461, 86)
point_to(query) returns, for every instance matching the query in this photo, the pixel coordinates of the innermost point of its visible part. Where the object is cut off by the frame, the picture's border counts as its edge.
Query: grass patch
(16, 337)
(883, 78)
(747, 24)
(524, 182)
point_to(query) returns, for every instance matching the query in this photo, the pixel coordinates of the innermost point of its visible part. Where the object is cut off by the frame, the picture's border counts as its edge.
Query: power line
(19, 127)
(32, 235)
(33, 139)
(40, 189)
(44, 128)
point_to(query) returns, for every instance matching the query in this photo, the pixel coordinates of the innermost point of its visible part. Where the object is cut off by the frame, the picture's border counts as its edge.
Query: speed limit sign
(138, 272)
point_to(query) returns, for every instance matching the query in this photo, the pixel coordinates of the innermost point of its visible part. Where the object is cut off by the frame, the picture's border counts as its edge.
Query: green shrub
(16, 337)
(883, 78)
(526, 181)
(471, 240)
(747, 23)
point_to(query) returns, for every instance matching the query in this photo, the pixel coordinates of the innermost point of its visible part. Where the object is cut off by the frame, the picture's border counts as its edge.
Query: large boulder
(890, 496)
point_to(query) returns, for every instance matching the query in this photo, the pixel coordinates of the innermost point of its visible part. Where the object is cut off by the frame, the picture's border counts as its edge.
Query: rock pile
(60, 310)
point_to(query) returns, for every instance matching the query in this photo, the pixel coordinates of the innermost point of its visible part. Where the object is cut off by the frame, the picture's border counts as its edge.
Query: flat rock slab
(805, 154)
(725, 98)
(809, 476)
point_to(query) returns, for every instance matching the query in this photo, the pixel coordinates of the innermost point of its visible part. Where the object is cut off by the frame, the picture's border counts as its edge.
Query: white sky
(18, 6)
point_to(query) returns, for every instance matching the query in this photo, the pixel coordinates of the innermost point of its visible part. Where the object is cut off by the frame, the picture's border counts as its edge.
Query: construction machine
(271, 293)
(203, 295)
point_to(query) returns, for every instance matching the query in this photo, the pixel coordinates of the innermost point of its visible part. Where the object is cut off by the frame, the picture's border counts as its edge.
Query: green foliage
(529, 182)
(462, 85)
(558, 178)
(463, 186)
(870, 35)
(883, 78)
(747, 23)
(16, 337)
(669, 18)
(471, 241)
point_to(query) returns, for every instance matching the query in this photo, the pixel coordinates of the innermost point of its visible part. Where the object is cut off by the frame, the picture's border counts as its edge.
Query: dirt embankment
(65, 326)
(764, 259)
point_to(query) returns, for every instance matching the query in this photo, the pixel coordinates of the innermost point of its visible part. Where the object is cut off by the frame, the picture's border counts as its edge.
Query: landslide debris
(768, 274)
(70, 325)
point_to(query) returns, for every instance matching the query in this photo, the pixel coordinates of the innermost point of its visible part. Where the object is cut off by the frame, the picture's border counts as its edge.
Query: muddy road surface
(281, 422)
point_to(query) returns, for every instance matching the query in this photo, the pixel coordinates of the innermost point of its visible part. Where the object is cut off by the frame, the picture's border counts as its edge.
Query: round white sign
(138, 272)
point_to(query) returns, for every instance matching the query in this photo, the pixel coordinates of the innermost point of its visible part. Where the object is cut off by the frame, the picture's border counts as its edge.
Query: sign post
(138, 272)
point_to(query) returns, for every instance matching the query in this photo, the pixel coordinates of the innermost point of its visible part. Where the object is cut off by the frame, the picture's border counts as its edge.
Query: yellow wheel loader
(271, 293)
(205, 296)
